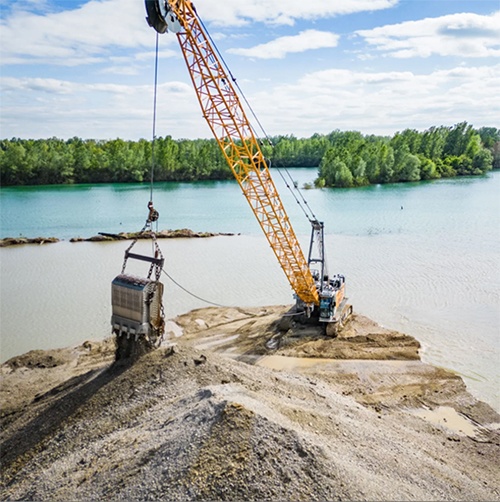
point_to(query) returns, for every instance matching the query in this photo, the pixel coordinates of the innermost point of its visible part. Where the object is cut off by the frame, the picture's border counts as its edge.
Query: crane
(317, 294)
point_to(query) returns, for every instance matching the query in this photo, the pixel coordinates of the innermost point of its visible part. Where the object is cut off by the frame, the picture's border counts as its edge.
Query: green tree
(343, 176)
(407, 156)
(490, 137)
(428, 170)
(482, 162)
(444, 168)
(411, 168)
(14, 168)
(386, 162)
(433, 142)
(334, 171)
(458, 139)
(460, 164)
(359, 172)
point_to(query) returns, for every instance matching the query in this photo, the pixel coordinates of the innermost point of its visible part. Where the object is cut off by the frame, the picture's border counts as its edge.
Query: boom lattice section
(225, 115)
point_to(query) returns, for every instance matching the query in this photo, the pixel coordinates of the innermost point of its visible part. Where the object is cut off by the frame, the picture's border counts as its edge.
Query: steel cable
(233, 78)
(154, 120)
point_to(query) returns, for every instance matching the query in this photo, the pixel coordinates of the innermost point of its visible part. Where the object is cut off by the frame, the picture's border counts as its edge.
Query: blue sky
(86, 68)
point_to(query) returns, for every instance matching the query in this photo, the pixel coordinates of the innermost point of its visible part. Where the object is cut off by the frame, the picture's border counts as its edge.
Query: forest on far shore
(343, 159)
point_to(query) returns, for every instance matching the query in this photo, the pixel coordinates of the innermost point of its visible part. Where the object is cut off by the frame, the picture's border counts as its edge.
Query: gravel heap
(185, 424)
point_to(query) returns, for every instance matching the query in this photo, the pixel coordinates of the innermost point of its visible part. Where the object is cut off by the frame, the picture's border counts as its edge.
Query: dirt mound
(187, 423)
(104, 237)
(15, 241)
(251, 330)
(38, 359)
(161, 234)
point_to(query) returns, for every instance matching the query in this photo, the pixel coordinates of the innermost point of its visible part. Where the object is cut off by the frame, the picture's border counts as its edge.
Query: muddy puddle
(449, 418)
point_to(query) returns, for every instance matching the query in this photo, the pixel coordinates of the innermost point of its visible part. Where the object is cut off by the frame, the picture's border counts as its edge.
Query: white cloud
(240, 12)
(45, 85)
(371, 102)
(86, 34)
(39, 107)
(381, 102)
(83, 35)
(115, 32)
(463, 35)
(280, 47)
(133, 65)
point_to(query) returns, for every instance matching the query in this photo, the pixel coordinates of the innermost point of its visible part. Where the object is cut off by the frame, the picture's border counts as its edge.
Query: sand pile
(186, 423)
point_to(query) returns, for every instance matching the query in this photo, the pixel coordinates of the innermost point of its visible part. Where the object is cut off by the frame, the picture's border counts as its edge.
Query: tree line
(57, 161)
(343, 159)
(357, 160)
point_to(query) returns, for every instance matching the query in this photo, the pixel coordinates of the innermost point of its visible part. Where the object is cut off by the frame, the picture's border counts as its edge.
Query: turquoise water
(463, 208)
(421, 257)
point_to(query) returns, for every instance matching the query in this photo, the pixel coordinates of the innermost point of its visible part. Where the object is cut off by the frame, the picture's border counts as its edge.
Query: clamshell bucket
(137, 302)
(137, 306)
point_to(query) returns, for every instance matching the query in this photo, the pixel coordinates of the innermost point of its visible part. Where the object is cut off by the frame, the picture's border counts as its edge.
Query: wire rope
(155, 93)
(189, 292)
(214, 303)
(154, 120)
(233, 78)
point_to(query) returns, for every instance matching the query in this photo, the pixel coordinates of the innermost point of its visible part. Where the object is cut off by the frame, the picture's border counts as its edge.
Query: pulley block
(161, 17)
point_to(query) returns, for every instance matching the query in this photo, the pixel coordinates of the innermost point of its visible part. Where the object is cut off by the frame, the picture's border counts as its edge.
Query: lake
(422, 258)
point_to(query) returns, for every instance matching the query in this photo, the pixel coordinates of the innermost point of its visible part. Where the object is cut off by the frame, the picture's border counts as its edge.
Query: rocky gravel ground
(215, 415)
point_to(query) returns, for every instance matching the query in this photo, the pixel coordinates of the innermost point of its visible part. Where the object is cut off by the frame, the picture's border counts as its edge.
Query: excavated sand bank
(242, 406)
(106, 237)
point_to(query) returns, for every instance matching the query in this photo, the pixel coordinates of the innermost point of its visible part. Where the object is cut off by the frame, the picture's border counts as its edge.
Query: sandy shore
(239, 404)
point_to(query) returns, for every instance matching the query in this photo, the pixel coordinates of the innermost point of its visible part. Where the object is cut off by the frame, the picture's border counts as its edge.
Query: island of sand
(242, 404)
(182, 233)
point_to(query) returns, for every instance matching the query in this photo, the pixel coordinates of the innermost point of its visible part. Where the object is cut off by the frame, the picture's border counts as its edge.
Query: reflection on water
(58, 295)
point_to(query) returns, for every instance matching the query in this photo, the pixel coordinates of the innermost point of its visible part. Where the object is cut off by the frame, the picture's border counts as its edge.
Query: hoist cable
(154, 120)
(293, 193)
(213, 303)
(189, 292)
(233, 78)
(296, 188)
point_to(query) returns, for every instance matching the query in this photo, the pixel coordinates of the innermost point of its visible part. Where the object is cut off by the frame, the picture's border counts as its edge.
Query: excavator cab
(331, 299)
(326, 307)
(333, 306)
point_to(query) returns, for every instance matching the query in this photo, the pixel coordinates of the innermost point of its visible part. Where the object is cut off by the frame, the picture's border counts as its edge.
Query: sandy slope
(358, 418)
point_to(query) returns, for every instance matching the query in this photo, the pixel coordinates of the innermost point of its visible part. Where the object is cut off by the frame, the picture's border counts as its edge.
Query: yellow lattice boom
(227, 119)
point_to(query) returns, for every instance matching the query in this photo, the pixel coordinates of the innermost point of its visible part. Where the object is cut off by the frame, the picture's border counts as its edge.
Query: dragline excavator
(318, 295)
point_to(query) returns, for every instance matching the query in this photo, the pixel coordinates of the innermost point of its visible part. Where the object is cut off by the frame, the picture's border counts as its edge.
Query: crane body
(314, 290)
